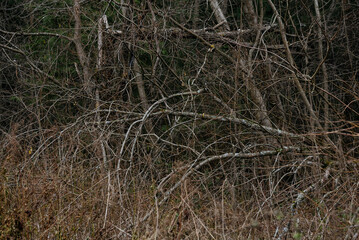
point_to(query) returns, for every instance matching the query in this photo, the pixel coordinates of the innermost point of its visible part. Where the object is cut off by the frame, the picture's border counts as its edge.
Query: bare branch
(244, 122)
(16, 50)
(292, 63)
(37, 34)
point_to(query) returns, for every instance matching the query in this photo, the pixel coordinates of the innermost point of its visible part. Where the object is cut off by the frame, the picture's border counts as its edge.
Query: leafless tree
(179, 119)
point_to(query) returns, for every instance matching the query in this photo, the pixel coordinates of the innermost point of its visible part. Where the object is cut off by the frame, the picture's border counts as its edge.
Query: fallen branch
(244, 122)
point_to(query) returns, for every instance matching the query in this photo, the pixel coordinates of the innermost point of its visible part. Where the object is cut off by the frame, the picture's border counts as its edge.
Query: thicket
(179, 119)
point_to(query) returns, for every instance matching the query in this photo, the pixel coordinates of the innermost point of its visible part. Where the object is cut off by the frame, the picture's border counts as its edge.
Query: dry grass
(48, 196)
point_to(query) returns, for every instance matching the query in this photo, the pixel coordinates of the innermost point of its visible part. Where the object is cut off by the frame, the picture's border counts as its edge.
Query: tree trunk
(84, 61)
(324, 66)
(218, 13)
